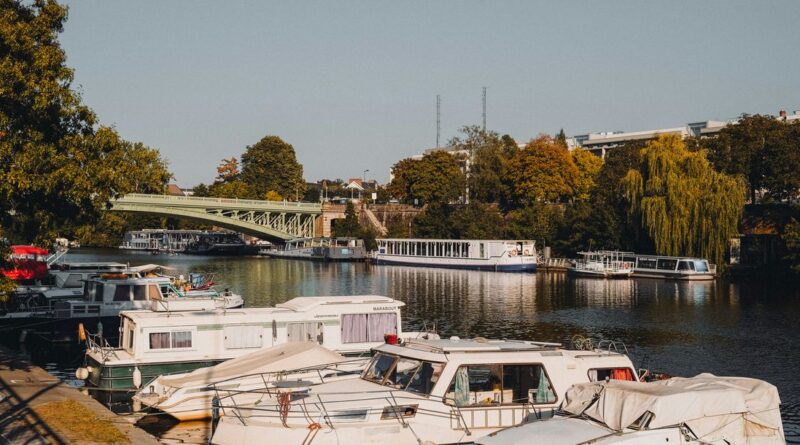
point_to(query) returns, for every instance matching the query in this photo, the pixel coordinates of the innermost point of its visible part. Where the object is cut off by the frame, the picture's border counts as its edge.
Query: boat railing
(98, 344)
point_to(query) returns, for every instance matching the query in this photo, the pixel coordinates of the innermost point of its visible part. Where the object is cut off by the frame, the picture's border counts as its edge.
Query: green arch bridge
(274, 220)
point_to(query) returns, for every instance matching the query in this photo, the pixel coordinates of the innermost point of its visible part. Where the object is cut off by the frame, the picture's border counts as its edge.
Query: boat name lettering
(383, 308)
(325, 316)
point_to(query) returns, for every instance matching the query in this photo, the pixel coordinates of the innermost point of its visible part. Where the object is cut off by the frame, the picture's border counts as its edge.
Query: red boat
(28, 263)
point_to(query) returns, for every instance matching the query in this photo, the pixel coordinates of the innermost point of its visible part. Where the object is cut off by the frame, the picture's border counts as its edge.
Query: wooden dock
(555, 264)
(37, 408)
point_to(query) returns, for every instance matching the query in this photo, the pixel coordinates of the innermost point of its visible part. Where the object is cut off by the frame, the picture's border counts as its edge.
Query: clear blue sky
(352, 85)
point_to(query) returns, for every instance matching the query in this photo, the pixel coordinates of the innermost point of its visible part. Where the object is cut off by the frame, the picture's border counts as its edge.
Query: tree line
(670, 195)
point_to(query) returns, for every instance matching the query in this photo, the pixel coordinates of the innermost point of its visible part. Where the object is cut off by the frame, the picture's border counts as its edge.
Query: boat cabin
(72, 275)
(681, 268)
(444, 390)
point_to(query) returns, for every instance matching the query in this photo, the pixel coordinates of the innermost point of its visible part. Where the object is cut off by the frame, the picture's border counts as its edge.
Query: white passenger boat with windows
(494, 255)
(424, 391)
(153, 343)
(602, 264)
(671, 267)
(705, 409)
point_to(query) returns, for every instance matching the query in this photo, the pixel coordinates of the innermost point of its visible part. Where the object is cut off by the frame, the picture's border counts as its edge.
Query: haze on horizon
(352, 85)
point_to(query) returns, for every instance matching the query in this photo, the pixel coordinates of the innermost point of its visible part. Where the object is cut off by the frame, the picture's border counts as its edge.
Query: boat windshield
(403, 373)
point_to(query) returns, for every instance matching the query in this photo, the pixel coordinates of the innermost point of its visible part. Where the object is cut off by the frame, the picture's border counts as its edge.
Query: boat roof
(149, 268)
(90, 264)
(297, 305)
(302, 304)
(438, 349)
(415, 240)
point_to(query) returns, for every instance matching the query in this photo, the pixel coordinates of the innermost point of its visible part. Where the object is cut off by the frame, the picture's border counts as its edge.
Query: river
(681, 328)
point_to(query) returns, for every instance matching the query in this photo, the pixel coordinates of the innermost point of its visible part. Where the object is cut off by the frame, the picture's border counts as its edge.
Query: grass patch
(78, 423)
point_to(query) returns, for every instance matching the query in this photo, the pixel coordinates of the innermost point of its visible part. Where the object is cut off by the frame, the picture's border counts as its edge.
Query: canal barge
(424, 391)
(321, 249)
(492, 255)
(159, 342)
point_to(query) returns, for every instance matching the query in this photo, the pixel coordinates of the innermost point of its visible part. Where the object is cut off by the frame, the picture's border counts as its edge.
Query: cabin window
(122, 293)
(685, 265)
(602, 374)
(646, 263)
(700, 266)
(309, 331)
(403, 373)
(170, 340)
(363, 328)
(130, 339)
(667, 264)
(483, 251)
(139, 293)
(485, 385)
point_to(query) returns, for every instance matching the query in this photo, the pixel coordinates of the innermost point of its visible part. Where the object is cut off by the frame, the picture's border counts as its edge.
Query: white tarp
(739, 410)
(288, 356)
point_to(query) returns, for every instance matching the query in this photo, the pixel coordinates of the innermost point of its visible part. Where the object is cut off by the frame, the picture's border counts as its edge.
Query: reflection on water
(679, 327)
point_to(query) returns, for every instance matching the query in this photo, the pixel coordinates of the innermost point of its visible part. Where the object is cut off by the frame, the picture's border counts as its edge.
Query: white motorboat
(602, 264)
(153, 343)
(188, 396)
(701, 410)
(424, 391)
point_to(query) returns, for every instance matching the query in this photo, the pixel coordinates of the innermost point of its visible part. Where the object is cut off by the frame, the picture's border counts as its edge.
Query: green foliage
(537, 221)
(587, 226)
(542, 171)
(791, 237)
(489, 155)
(589, 167)
(434, 222)
(271, 164)
(686, 206)
(477, 221)
(57, 170)
(349, 226)
(745, 149)
(782, 164)
(435, 179)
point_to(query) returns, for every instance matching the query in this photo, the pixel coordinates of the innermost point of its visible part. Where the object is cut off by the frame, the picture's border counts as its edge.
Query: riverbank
(38, 408)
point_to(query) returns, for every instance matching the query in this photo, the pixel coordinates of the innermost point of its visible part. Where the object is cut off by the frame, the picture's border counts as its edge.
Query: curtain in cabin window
(380, 324)
(354, 328)
(544, 393)
(182, 339)
(159, 340)
(462, 387)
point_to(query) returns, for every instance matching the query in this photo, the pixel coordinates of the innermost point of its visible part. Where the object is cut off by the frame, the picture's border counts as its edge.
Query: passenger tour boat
(493, 255)
(602, 264)
(159, 342)
(700, 410)
(423, 391)
(671, 267)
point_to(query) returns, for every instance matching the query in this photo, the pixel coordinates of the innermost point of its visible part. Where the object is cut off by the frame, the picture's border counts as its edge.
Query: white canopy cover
(287, 356)
(736, 409)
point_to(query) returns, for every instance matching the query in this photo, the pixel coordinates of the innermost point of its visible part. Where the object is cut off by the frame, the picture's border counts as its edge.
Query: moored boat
(321, 249)
(424, 391)
(156, 343)
(602, 264)
(705, 409)
(492, 255)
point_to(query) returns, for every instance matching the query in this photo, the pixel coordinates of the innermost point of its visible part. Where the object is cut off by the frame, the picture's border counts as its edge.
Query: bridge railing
(234, 201)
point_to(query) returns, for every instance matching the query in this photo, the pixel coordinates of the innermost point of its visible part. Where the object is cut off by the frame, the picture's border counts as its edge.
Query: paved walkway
(23, 387)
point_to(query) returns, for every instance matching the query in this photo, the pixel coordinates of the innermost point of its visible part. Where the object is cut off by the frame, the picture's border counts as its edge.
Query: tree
(537, 221)
(349, 226)
(686, 206)
(434, 222)
(228, 169)
(740, 149)
(791, 237)
(589, 167)
(477, 220)
(58, 171)
(781, 163)
(271, 164)
(542, 171)
(436, 178)
(488, 154)
(236, 188)
(561, 138)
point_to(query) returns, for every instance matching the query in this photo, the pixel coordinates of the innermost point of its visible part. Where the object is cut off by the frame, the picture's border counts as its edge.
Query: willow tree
(686, 206)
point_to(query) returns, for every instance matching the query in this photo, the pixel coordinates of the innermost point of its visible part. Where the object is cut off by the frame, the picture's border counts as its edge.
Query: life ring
(514, 252)
(527, 252)
(81, 332)
(625, 265)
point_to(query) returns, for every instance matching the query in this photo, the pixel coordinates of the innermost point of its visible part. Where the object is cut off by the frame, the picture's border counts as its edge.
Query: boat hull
(670, 275)
(471, 265)
(120, 377)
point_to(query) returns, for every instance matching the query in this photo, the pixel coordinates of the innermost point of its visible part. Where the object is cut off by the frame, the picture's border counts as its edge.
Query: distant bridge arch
(273, 220)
